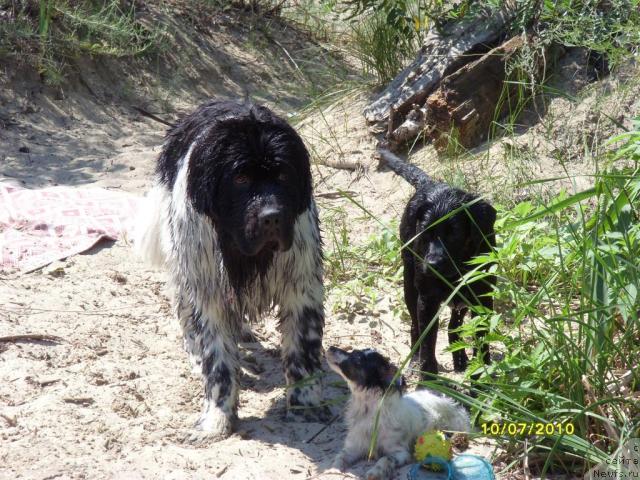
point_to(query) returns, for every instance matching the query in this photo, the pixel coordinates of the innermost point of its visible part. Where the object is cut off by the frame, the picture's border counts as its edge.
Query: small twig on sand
(274, 9)
(340, 164)
(313, 437)
(152, 116)
(327, 473)
(10, 420)
(32, 337)
(80, 400)
(221, 471)
(334, 195)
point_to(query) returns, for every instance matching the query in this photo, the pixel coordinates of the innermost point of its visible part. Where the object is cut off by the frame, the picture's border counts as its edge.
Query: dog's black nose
(269, 218)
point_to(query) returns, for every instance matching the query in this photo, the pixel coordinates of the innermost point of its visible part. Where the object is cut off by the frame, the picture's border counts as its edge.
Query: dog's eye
(241, 179)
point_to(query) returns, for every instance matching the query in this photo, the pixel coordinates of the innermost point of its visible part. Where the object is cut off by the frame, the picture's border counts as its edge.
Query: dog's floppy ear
(204, 177)
(484, 216)
(389, 373)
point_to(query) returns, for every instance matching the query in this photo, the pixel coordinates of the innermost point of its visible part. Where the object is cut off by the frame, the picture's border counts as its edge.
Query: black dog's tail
(412, 174)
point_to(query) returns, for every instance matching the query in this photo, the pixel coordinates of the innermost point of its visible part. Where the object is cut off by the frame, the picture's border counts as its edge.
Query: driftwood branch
(340, 164)
(441, 54)
(152, 116)
(467, 101)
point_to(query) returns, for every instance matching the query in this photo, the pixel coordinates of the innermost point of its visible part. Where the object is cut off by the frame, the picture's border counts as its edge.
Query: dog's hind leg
(385, 466)
(460, 359)
(487, 303)
(411, 294)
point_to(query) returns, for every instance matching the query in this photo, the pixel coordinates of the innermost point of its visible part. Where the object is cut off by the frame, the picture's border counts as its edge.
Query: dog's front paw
(214, 425)
(332, 471)
(339, 464)
(305, 403)
(382, 470)
(376, 473)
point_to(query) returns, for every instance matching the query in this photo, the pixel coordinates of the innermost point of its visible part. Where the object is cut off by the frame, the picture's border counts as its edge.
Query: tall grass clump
(385, 36)
(50, 33)
(566, 322)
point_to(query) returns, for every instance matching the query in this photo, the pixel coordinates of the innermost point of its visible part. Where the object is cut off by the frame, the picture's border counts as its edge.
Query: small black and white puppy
(402, 417)
(436, 257)
(233, 219)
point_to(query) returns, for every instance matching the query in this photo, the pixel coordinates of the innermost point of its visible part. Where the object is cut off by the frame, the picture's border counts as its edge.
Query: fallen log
(466, 102)
(441, 54)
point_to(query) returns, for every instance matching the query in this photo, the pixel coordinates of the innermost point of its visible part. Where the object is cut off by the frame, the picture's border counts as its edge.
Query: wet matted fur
(232, 217)
(443, 228)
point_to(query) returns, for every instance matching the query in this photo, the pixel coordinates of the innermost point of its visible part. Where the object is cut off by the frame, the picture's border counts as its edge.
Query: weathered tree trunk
(466, 102)
(441, 54)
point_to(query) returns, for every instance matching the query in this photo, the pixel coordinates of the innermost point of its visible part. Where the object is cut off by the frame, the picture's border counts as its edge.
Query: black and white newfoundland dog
(232, 217)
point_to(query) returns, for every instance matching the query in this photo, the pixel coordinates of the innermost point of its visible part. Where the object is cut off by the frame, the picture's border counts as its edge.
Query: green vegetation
(55, 31)
(566, 318)
(610, 29)
(383, 48)
(360, 275)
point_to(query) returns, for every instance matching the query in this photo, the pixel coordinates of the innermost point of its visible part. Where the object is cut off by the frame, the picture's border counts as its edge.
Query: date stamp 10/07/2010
(513, 429)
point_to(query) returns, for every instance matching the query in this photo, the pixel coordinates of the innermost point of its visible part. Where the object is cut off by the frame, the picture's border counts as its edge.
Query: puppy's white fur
(401, 420)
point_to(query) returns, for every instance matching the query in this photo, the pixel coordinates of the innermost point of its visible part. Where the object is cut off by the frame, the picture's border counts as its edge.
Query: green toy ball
(434, 444)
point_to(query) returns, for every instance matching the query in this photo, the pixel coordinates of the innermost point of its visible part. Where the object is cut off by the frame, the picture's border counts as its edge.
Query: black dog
(436, 257)
(233, 218)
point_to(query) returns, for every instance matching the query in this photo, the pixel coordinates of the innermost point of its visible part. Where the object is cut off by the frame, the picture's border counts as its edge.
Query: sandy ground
(110, 398)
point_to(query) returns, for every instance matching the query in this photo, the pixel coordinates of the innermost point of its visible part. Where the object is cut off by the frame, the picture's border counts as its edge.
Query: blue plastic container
(462, 467)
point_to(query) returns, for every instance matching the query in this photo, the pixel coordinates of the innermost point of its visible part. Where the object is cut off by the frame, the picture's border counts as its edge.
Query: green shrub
(382, 49)
(566, 323)
(60, 30)
(567, 319)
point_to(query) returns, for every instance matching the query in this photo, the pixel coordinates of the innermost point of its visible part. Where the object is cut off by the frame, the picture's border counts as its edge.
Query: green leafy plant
(385, 35)
(566, 327)
(567, 320)
(359, 275)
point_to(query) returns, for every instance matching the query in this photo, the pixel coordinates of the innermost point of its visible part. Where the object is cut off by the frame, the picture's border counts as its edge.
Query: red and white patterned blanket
(38, 227)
